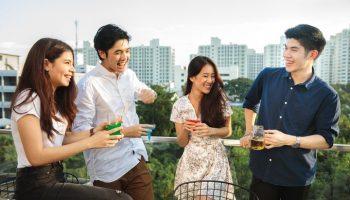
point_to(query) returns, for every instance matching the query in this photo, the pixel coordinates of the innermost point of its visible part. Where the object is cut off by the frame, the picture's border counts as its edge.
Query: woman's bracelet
(92, 131)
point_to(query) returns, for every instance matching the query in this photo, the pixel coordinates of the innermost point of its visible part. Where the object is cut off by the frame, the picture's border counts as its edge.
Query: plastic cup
(150, 130)
(194, 120)
(112, 126)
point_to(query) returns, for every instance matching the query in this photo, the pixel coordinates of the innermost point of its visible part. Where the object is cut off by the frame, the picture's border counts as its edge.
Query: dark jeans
(137, 182)
(47, 182)
(267, 191)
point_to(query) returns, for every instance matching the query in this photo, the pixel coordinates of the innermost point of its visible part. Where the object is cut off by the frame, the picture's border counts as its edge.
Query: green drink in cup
(111, 126)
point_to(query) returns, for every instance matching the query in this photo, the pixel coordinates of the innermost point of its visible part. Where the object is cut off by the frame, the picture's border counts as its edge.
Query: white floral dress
(204, 158)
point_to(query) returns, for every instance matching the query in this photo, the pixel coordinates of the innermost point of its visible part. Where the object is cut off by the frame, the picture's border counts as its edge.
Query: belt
(26, 170)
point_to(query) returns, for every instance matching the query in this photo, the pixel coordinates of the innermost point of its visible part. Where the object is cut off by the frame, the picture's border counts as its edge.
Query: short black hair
(106, 37)
(310, 37)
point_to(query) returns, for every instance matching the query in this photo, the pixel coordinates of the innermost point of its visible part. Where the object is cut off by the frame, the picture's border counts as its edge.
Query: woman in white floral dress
(202, 118)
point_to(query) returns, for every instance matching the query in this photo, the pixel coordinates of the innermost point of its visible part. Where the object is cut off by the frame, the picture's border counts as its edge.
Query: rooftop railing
(156, 142)
(226, 142)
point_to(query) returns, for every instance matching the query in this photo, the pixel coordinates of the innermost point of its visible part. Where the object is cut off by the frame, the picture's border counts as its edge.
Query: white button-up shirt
(101, 96)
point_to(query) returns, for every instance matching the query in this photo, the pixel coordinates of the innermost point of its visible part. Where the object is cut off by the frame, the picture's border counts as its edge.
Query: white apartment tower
(154, 64)
(333, 66)
(341, 58)
(180, 78)
(273, 55)
(255, 63)
(324, 63)
(231, 59)
(90, 54)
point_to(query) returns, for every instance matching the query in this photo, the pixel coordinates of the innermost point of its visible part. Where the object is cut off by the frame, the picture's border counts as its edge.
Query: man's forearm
(249, 117)
(310, 142)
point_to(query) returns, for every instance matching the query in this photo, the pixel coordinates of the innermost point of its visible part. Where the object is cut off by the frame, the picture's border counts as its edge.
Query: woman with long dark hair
(43, 110)
(202, 118)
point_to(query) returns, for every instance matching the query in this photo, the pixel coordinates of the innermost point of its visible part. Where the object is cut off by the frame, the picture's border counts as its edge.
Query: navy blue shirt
(304, 109)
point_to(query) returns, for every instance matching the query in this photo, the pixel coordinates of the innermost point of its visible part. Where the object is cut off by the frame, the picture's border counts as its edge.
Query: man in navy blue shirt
(299, 113)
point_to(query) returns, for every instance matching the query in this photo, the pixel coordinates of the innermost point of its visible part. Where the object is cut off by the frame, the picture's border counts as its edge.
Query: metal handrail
(226, 142)
(234, 143)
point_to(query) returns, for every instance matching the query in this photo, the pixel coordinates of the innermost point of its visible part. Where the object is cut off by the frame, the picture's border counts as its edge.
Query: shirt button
(285, 102)
(291, 88)
(280, 117)
(290, 77)
(270, 159)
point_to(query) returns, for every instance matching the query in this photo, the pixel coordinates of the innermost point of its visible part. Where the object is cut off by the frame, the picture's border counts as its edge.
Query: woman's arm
(31, 136)
(202, 129)
(72, 137)
(182, 134)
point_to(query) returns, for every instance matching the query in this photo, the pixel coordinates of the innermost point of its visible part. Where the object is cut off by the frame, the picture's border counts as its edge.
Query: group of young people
(53, 119)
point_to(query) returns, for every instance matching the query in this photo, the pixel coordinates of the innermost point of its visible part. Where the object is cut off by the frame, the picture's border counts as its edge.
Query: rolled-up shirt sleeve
(253, 96)
(86, 107)
(327, 118)
(138, 86)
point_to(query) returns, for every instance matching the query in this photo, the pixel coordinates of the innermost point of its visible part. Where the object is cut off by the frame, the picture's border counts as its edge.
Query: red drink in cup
(194, 120)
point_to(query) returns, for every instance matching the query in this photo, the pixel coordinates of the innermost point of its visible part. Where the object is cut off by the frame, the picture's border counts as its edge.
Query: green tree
(239, 157)
(159, 112)
(238, 88)
(8, 156)
(163, 157)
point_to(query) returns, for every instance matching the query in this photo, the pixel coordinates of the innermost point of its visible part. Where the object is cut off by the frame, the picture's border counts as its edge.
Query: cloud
(12, 45)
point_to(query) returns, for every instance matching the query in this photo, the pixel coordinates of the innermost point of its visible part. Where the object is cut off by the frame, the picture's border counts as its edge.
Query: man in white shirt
(110, 90)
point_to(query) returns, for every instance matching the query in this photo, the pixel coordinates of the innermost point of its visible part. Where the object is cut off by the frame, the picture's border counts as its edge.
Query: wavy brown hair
(213, 104)
(35, 79)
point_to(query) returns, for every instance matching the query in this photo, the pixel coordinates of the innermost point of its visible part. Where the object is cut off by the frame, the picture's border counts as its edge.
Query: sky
(181, 24)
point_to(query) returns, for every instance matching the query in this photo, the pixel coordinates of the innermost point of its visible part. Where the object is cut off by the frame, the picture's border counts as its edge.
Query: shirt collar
(311, 80)
(286, 74)
(104, 71)
(107, 73)
(307, 84)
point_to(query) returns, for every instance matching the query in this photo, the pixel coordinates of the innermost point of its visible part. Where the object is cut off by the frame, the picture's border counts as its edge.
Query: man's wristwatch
(297, 142)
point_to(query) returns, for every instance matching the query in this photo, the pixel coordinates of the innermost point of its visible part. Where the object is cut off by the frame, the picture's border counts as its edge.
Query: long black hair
(213, 104)
(35, 79)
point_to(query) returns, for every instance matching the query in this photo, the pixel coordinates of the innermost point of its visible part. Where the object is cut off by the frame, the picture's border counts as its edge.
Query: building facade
(153, 64)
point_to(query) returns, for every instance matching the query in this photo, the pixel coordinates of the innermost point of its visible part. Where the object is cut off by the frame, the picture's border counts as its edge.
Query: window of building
(8, 96)
(8, 113)
(9, 81)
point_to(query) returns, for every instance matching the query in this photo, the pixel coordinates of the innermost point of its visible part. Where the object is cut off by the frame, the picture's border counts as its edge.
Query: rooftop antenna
(76, 43)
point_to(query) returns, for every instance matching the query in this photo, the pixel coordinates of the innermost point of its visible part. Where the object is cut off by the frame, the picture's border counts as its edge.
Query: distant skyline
(181, 24)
